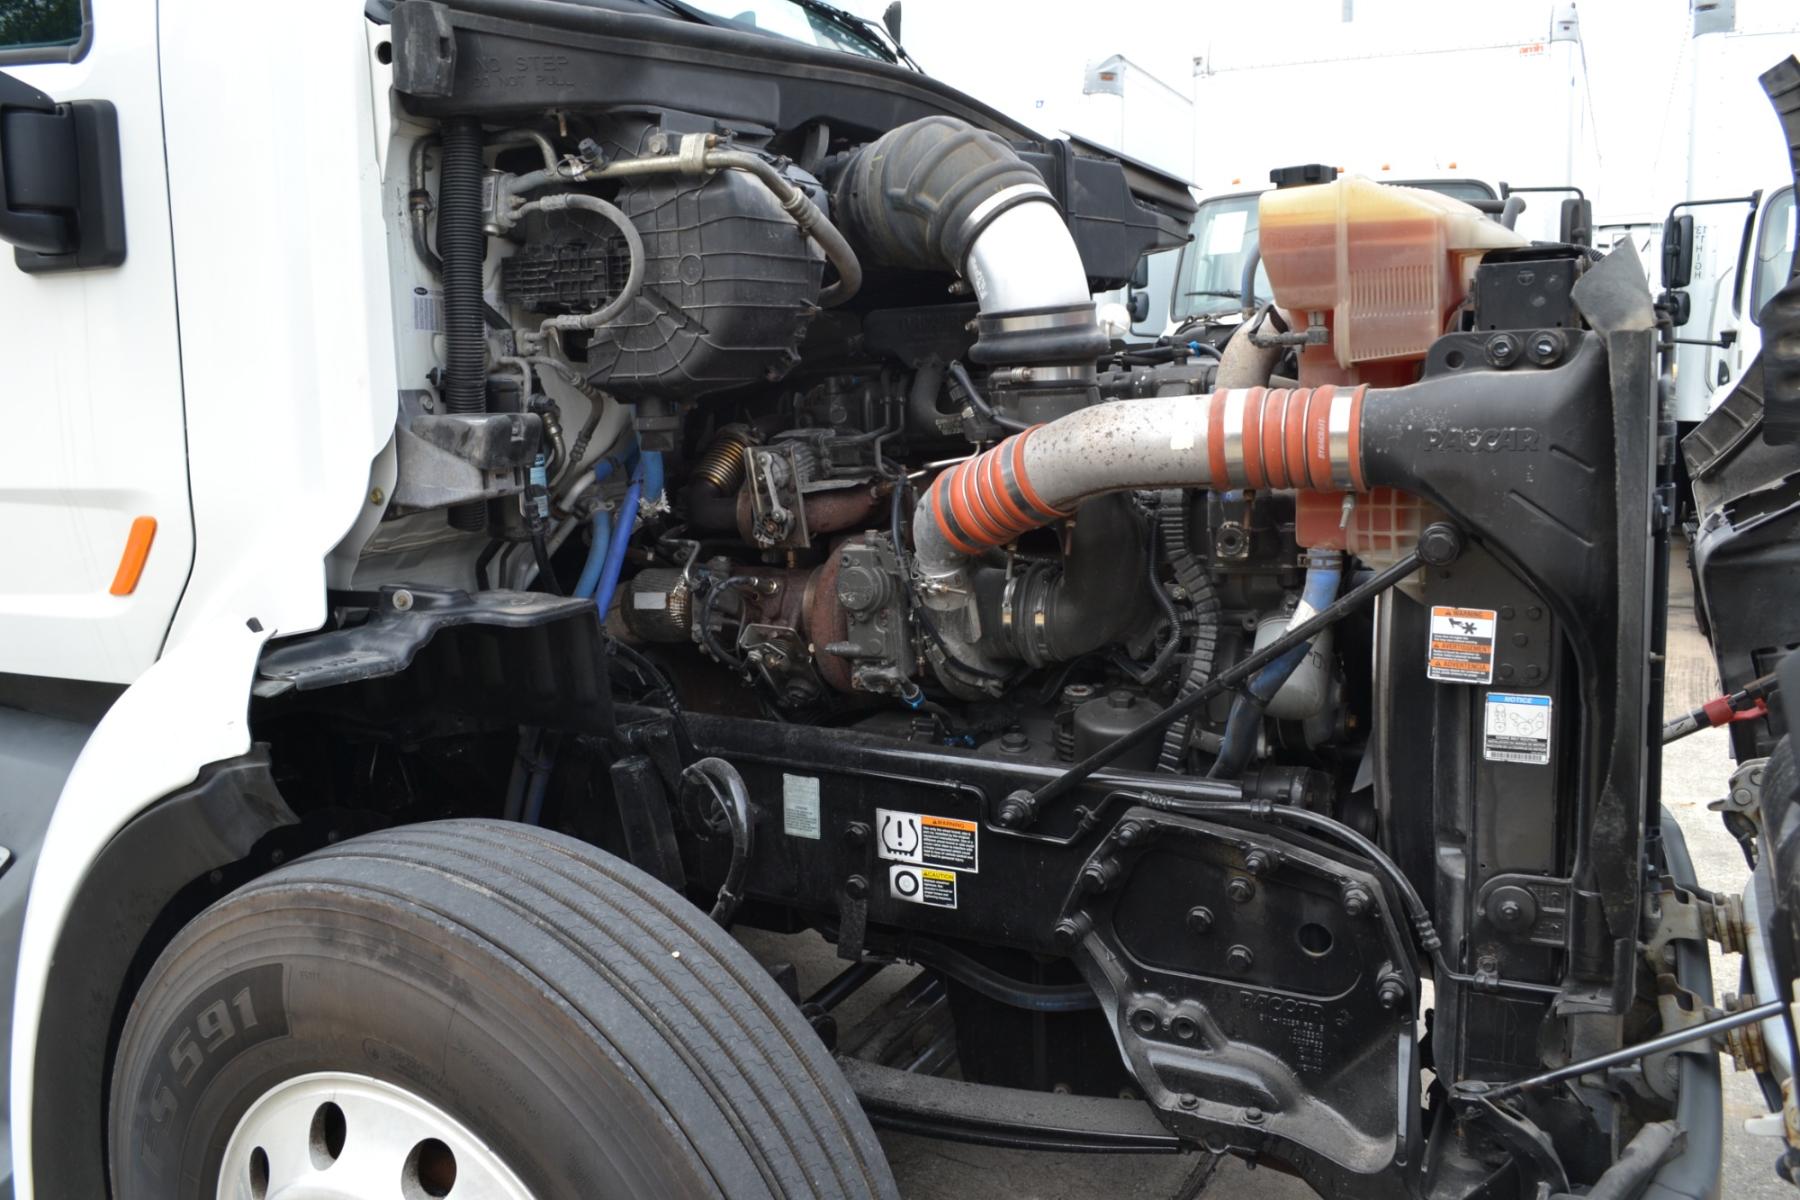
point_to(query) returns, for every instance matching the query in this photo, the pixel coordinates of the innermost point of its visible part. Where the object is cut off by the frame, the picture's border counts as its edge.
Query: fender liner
(113, 932)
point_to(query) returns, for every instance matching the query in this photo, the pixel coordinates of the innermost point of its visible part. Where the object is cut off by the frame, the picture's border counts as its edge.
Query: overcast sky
(1013, 54)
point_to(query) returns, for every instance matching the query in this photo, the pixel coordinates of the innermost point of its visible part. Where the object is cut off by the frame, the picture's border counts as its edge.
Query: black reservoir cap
(1286, 177)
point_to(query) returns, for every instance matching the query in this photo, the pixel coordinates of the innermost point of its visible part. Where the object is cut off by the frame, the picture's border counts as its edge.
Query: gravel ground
(1695, 771)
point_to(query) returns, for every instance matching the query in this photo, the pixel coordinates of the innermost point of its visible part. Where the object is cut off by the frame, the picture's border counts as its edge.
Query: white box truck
(1733, 181)
(1370, 89)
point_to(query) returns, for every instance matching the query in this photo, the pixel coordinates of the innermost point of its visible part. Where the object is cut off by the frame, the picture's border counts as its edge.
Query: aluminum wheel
(337, 1136)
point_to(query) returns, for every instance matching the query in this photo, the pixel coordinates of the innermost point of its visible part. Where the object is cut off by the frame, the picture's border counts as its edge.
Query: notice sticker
(923, 885)
(1516, 729)
(800, 806)
(1462, 645)
(928, 841)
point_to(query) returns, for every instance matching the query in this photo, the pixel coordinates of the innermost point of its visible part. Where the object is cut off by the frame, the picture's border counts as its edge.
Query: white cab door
(92, 438)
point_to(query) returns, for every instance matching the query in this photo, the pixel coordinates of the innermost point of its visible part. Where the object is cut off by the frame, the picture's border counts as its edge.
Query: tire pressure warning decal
(1516, 729)
(928, 841)
(1462, 645)
(923, 885)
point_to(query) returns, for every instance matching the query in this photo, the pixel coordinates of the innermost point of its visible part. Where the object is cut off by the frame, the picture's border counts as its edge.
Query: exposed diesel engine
(1206, 715)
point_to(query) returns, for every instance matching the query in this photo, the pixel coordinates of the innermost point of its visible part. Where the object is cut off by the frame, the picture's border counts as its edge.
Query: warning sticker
(1462, 645)
(928, 841)
(800, 806)
(1516, 728)
(923, 885)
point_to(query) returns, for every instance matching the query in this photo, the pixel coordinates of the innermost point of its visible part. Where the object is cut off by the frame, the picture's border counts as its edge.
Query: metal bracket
(777, 507)
(1315, 334)
(1680, 915)
(1527, 908)
(1743, 796)
(1288, 960)
(454, 458)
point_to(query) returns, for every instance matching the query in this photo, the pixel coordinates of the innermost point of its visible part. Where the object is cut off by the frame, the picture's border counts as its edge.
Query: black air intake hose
(913, 194)
(940, 194)
(463, 247)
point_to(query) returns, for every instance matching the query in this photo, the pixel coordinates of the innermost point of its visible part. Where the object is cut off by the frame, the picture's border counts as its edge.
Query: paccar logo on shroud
(1492, 440)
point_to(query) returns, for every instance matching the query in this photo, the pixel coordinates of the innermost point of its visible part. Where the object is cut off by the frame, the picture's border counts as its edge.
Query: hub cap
(336, 1136)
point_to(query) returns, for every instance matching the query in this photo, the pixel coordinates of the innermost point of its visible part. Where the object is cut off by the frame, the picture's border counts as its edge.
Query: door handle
(61, 197)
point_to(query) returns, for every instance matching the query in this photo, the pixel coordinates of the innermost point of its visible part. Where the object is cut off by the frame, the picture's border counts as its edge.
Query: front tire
(539, 1010)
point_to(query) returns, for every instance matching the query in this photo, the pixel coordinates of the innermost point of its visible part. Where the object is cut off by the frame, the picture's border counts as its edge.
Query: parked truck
(501, 496)
(1355, 87)
(1735, 193)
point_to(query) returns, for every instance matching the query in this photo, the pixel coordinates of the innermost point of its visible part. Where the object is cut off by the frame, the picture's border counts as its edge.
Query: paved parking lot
(1694, 772)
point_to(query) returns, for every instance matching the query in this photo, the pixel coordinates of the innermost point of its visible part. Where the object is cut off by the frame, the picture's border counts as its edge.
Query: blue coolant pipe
(625, 522)
(596, 559)
(1324, 572)
(595, 565)
(653, 475)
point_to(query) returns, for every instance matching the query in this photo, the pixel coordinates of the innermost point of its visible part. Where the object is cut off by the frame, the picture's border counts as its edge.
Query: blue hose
(621, 537)
(596, 559)
(602, 531)
(653, 475)
(1324, 573)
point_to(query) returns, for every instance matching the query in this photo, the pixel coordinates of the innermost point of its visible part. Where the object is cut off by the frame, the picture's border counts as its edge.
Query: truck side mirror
(1138, 303)
(890, 20)
(61, 202)
(1678, 251)
(1679, 305)
(1577, 225)
(1140, 274)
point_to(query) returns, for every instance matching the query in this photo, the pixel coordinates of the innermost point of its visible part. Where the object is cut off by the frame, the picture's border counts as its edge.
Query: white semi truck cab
(507, 504)
(1735, 321)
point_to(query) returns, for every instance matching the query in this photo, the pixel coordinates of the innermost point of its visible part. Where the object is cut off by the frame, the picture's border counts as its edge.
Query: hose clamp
(692, 155)
(1028, 322)
(1338, 431)
(1233, 420)
(984, 213)
(1051, 373)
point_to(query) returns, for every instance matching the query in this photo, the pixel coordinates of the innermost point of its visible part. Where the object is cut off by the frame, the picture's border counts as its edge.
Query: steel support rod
(1666, 1041)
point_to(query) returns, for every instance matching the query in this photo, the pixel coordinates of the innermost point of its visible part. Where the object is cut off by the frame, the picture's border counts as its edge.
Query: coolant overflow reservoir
(1387, 263)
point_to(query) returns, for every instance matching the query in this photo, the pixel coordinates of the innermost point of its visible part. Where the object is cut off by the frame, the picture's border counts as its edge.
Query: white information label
(1516, 728)
(800, 806)
(428, 310)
